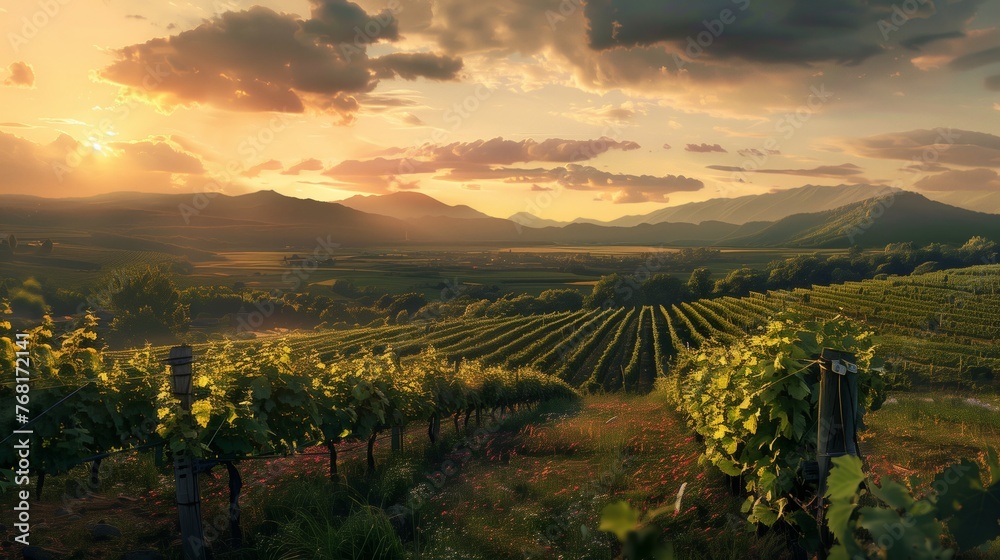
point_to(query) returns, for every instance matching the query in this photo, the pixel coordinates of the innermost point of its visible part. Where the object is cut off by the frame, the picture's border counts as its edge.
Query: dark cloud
(20, 74)
(765, 30)
(976, 59)
(260, 60)
(311, 164)
(539, 188)
(992, 82)
(937, 146)
(666, 146)
(410, 66)
(978, 179)
(134, 16)
(704, 148)
(339, 21)
(915, 43)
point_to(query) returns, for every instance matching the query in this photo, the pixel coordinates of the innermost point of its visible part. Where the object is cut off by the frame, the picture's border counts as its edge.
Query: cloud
(256, 170)
(704, 148)
(411, 66)
(21, 75)
(475, 157)
(66, 167)
(842, 170)
(157, 155)
(134, 16)
(979, 179)
(311, 164)
(769, 31)
(606, 114)
(472, 187)
(976, 59)
(676, 52)
(943, 146)
(339, 21)
(754, 152)
(615, 187)
(539, 188)
(666, 146)
(260, 60)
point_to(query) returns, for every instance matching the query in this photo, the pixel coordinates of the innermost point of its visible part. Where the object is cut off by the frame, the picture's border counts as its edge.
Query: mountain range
(766, 207)
(198, 225)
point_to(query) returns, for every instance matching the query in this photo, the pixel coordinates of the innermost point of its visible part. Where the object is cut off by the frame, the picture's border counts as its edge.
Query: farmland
(934, 330)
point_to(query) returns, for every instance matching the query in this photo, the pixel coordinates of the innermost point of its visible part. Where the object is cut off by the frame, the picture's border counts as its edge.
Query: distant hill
(768, 207)
(196, 225)
(980, 201)
(904, 216)
(409, 205)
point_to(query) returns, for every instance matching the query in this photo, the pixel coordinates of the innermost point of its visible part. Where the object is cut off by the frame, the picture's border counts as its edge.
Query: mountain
(196, 225)
(409, 205)
(900, 217)
(263, 220)
(528, 219)
(768, 207)
(980, 201)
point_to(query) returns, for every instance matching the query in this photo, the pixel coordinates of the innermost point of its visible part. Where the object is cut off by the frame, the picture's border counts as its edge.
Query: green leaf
(619, 518)
(765, 514)
(893, 493)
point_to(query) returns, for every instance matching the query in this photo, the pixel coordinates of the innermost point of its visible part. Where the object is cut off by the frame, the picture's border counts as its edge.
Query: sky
(560, 108)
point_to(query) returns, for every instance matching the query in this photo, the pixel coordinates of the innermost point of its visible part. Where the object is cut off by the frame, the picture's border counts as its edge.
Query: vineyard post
(837, 413)
(397, 438)
(188, 498)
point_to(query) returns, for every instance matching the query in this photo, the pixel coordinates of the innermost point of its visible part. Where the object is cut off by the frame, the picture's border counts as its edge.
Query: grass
(538, 492)
(919, 433)
(532, 486)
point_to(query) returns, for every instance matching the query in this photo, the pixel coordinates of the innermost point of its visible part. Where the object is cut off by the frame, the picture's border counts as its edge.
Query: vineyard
(938, 327)
(739, 377)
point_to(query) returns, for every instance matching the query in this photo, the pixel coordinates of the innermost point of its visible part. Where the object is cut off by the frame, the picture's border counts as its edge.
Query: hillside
(409, 205)
(903, 217)
(768, 207)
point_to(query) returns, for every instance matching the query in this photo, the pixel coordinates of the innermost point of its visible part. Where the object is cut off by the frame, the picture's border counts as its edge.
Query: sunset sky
(563, 108)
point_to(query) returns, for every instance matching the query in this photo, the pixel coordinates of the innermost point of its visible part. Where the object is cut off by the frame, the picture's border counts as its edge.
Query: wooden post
(188, 496)
(397, 439)
(838, 413)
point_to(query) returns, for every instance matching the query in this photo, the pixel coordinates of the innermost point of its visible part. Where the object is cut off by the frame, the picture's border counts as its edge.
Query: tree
(12, 241)
(742, 281)
(147, 306)
(663, 289)
(612, 290)
(700, 283)
(979, 250)
(561, 300)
